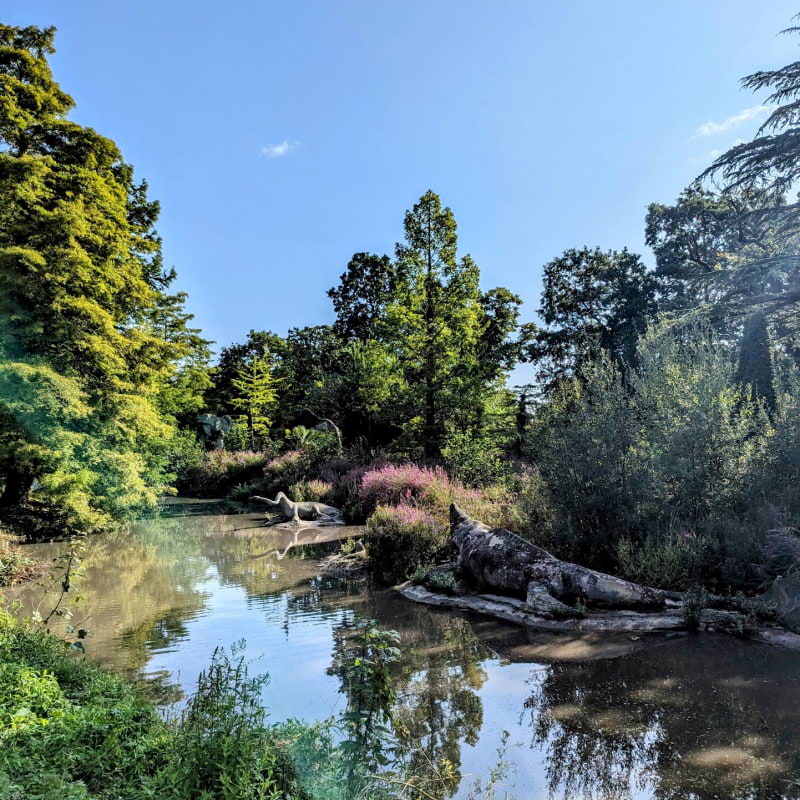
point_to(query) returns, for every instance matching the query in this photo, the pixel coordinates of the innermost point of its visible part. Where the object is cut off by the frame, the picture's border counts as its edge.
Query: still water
(587, 716)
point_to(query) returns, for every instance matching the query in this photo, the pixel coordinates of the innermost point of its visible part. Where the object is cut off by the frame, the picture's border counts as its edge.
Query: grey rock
(785, 593)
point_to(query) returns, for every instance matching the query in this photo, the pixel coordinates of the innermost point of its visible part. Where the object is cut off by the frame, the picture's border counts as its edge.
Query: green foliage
(442, 580)
(400, 539)
(671, 448)
(668, 561)
(755, 368)
(14, 564)
(220, 471)
(28, 697)
(530, 513)
(256, 397)
(591, 301)
(314, 491)
(367, 392)
(90, 344)
(223, 747)
(475, 459)
(695, 601)
(361, 298)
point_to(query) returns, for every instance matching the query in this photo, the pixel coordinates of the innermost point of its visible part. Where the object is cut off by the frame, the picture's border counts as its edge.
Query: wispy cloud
(711, 128)
(278, 150)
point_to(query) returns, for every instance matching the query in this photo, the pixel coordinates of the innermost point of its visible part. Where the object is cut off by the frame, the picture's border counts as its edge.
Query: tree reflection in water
(694, 719)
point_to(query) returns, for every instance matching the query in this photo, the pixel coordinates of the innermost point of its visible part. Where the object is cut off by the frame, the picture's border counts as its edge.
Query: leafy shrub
(314, 491)
(282, 471)
(220, 471)
(223, 747)
(475, 460)
(672, 444)
(442, 580)
(530, 513)
(316, 447)
(186, 454)
(695, 601)
(28, 697)
(666, 562)
(401, 538)
(14, 564)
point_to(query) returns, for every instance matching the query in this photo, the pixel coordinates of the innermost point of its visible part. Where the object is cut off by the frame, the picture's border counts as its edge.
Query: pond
(587, 716)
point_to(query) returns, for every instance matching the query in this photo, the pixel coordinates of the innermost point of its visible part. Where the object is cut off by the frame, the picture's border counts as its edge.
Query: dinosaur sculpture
(212, 430)
(501, 560)
(295, 512)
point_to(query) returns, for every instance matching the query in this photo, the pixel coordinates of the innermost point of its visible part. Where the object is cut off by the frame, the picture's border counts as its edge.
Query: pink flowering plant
(400, 538)
(221, 470)
(429, 488)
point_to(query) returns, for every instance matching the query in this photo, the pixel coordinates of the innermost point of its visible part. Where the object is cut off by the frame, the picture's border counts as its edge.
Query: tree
(235, 358)
(182, 393)
(591, 301)
(362, 295)
(310, 355)
(368, 393)
(81, 278)
(436, 316)
(256, 397)
(770, 164)
(755, 361)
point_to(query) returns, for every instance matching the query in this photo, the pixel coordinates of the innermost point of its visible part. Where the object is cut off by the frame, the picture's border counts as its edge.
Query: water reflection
(589, 716)
(699, 718)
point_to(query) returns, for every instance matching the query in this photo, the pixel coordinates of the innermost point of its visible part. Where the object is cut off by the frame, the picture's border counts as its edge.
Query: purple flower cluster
(281, 462)
(224, 460)
(390, 485)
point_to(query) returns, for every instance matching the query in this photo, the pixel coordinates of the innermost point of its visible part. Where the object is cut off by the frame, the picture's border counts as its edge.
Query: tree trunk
(16, 489)
(501, 560)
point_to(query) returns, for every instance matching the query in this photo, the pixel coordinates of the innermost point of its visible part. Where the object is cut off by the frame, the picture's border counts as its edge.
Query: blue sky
(282, 137)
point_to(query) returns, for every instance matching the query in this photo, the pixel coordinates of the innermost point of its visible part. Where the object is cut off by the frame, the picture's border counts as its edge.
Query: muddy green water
(587, 716)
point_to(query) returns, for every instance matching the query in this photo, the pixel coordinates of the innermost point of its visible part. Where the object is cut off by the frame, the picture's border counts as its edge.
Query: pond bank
(511, 609)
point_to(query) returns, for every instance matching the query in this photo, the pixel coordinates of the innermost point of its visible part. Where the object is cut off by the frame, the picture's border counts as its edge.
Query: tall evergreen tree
(770, 164)
(256, 397)
(437, 316)
(755, 367)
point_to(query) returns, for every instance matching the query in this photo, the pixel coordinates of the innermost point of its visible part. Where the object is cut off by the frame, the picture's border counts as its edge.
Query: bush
(637, 454)
(432, 490)
(667, 562)
(14, 565)
(531, 513)
(401, 538)
(313, 491)
(475, 460)
(220, 471)
(70, 730)
(223, 747)
(28, 697)
(283, 471)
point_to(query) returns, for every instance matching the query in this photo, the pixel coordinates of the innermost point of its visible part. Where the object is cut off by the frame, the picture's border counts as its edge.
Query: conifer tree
(437, 316)
(256, 397)
(755, 367)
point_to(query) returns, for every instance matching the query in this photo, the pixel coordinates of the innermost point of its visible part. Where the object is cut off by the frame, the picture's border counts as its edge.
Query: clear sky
(281, 138)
